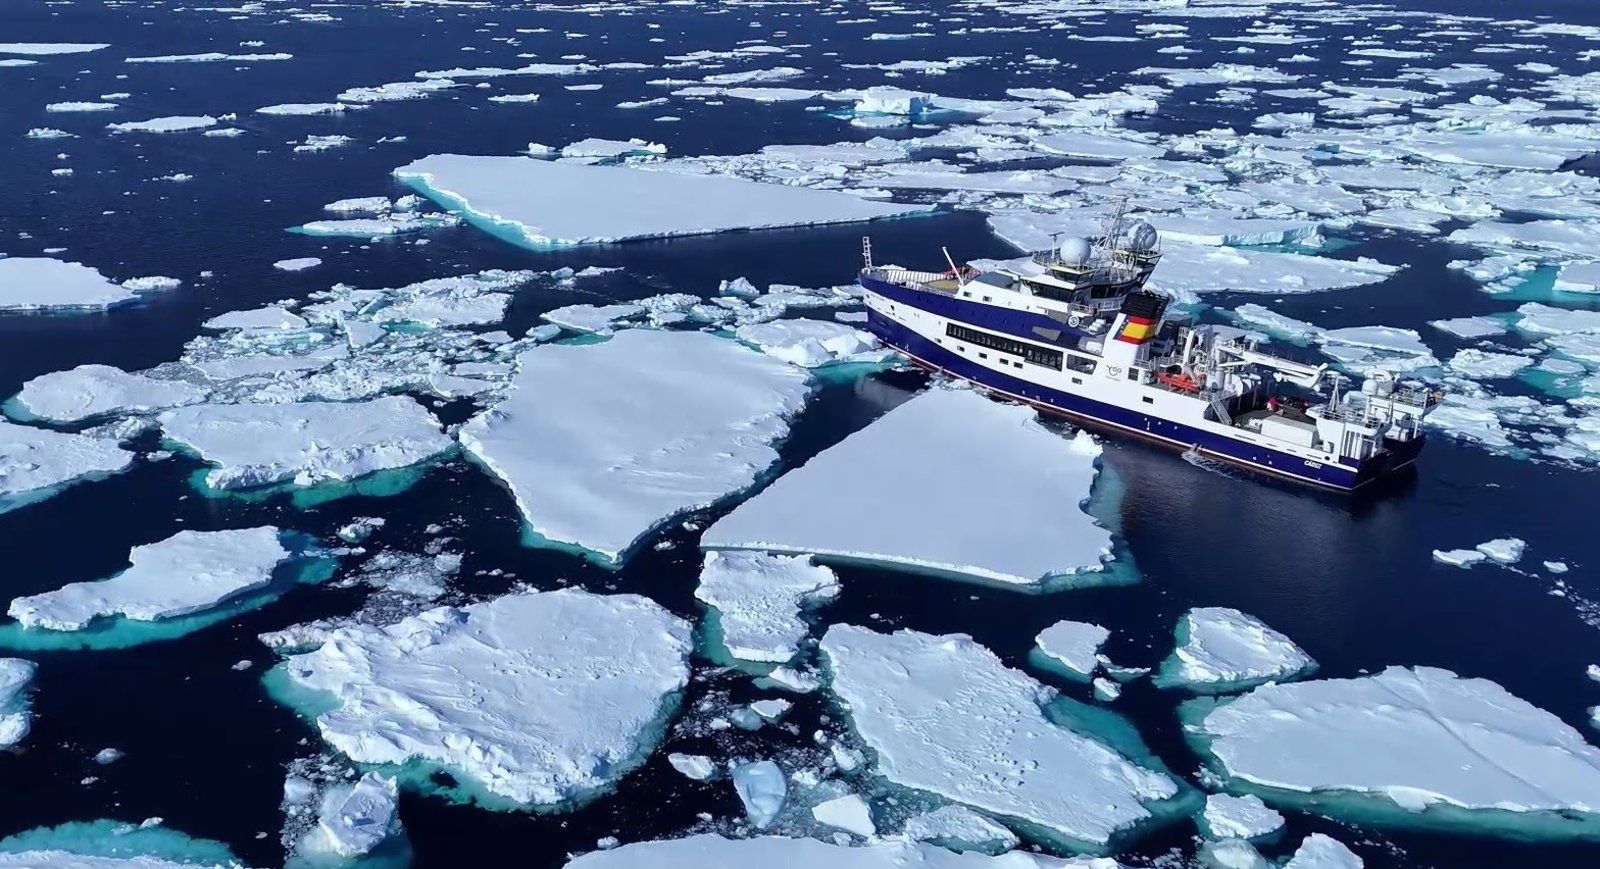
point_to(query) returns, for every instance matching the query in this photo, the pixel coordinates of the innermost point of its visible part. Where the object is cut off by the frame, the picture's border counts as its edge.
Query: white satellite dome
(1074, 251)
(1143, 237)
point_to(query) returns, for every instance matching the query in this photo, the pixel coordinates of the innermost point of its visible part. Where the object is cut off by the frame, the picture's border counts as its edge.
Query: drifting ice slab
(16, 675)
(1071, 647)
(708, 851)
(997, 751)
(541, 203)
(305, 443)
(35, 463)
(535, 699)
(1415, 740)
(758, 599)
(1223, 649)
(602, 443)
(96, 390)
(41, 283)
(185, 573)
(811, 343)
(950, 482)
(1230, 817)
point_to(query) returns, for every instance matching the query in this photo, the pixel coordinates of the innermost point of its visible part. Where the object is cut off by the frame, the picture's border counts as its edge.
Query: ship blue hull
(1340, 477)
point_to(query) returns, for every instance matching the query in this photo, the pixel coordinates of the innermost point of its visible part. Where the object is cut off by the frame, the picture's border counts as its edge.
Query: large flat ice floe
(602, 443)
(1430, 745)
(89, 391)
(541, 203)
(16, 718)
(528, 700)
(757, 599)
(185, 573)
(305, 443)
(949, 482)
(36, 463)
(710, 851)
(1222, 649)
(45, 284)
(997, 750)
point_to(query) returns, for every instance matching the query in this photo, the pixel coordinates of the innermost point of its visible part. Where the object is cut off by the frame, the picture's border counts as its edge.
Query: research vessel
(1073, 330)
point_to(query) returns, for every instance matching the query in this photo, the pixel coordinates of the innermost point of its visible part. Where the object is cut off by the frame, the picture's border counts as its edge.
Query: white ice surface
(1415, 737)
(354, 818)
(16, 718)
(542, 202)
(170, 124)
(189, 572)
(1074, 645)
(94, 390)
(759, 597)
(709, 851)
(1247, 817)
(810, 343)
(538, 698)
(1320, 851)
(601, 443)
(849, 813)
(305, 443)
(1223, 646)
(41, 283)
(1003, 506)
(762, 788)
(996, 751)
(959, 828)
(34, 461)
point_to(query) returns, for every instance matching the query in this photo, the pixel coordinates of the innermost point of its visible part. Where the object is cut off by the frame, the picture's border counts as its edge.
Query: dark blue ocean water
(1351, 581)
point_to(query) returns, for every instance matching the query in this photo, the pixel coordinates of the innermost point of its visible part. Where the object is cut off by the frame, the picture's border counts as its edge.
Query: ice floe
(1230, 817)
(528, 700)
(812, 343)
(107, 844)
(169, 124)
(1000, 510)
(16, 714)
(36, 463)
(959, 828)
(1433, 747)
(700, 423)
(762, 788)
(44, 284)
(757, 600)
(1223, 649)
(305, 443)
(998, 749)
(1069, 647)
(710, 851)
(90, 391)
(353, 820)
(537, 202)
(849, 813)
(183, 574)
(1320, 851)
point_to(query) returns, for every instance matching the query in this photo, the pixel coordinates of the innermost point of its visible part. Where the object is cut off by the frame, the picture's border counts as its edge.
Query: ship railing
(904, 277)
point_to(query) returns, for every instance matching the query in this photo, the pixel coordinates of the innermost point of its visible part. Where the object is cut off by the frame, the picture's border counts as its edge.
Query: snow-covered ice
(297, 264)
(89, 391)
(353, 819)
(849, 813)
(170, 124)
(1073, 647)
(758, 599)
(186, 573)
(811, 343)
(1319, 851)
(16, 715)
(1412, 738)
(1004, 507)
(997, 750)
(960, 829)
(694, 766)
(1223, 649)
(762, 788)
(1230, 817)
(41, 49)
(305, 443)
(541, 203)
(602, 443)
(710, 851)
(533, 699)
(45, 284)
(35, 463)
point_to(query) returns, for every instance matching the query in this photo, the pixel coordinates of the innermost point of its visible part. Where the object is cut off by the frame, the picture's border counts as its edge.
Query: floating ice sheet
(601, 443)
(1005, 504)
(16, 716)
(90, 391)
(757, 600)
(35, 463)
(540, 203)
(708, 851)
(44, 284)
(1223, 649)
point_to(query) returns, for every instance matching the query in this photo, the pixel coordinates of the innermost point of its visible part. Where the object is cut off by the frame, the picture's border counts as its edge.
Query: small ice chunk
(1106, 690)
(1223, 649)
(762, 788)
(354, 819)
(1506, 550)
(171, 124)
(1072, 645)
(298, 264)
(960, 829)
(98, 390)
(758, 599)
(359, 529)
(1004, 506)
(1319, 851)
(1230, 817)
(849, 813)
(16, 716)
(695, 766)
(305, 443)
(107, 756)
(1459, 557)
(189, 572)
(810, 343)
(269, 317)
(770, 709)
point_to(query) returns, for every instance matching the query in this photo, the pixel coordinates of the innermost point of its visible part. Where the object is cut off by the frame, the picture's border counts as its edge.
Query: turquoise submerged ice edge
(114, 839)
(1376, 810)
(451, 784)
(307, 566)
(378, 484)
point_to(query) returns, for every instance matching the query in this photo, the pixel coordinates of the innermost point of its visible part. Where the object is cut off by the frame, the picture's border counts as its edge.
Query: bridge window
(1042, 356)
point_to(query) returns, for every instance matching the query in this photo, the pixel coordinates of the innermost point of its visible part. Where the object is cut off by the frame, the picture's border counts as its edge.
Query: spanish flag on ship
(1136, 330)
